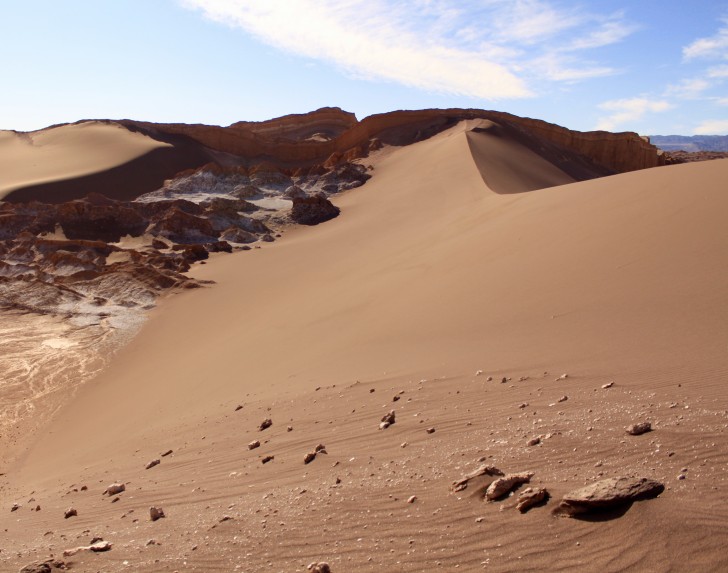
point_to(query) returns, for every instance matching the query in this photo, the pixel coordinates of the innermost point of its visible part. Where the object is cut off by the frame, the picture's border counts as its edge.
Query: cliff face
(304, 140)
(318, 141)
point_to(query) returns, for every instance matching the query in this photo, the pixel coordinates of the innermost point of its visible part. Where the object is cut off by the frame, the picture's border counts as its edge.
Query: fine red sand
(440, 266)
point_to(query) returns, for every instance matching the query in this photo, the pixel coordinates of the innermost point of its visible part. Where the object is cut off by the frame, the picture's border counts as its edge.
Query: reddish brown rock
(608, 493)
(484, 470)
(505, 484)
(530, 497)
(312, 210)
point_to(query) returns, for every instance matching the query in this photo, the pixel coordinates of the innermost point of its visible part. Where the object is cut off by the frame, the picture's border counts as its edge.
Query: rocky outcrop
(312, 210)
(271, 152)
(278, 142)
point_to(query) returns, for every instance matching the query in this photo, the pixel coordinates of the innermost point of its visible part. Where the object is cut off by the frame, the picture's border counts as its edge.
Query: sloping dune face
(430, 274)
(67, 152)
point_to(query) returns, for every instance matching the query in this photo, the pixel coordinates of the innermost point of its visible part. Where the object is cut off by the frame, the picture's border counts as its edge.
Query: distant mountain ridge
(690, 142)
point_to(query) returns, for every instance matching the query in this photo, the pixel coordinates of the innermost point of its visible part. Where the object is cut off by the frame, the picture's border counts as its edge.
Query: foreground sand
(425, 278)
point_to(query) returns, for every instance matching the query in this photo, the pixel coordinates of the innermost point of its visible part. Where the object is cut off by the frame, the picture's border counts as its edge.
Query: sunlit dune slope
(428, 270)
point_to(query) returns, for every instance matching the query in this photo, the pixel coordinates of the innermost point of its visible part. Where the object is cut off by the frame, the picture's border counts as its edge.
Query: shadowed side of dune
(513, 160)
(123, 182)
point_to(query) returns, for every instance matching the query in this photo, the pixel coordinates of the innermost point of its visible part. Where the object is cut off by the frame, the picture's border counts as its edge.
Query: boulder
(312, 210)
(607, 494)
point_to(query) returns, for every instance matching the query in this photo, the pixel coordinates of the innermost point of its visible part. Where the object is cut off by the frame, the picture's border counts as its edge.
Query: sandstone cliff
(286, 141)
(318, 141)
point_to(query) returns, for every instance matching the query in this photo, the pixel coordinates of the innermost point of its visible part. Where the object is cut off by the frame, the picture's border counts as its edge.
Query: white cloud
(625, 111)
(718, 72)
(689, 89)
(486, 49)
(722, 101)
(713, 47)
(712, 127)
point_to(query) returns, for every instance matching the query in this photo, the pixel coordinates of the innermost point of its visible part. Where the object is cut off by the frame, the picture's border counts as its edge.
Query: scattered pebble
(639, 429)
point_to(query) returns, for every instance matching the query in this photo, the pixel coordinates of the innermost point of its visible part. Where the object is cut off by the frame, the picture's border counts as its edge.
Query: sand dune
(438, 267)
(67, 152)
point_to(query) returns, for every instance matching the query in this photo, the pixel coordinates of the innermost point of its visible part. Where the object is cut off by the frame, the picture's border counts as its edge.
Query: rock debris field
(398, 497)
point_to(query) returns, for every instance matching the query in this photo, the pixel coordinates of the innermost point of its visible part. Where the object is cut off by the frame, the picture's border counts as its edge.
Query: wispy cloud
(626, 111)
(712, 127)
(486, 49)
(713, 47)
(692, 88)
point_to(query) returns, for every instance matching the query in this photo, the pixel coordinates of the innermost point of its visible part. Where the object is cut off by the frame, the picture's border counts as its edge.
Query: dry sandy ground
(67, 152)
(426, 277)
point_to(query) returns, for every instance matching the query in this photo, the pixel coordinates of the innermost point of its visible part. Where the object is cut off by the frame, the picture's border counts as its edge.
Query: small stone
(267, 459)
(504, 485)
(265, 424)
(164, 455)
(681, 476)
(387, 420)
(151, 464)
(70, 512)
(238, 408)
(483, 470)
(289, 429)
(308, 458)
(321, 567)
(15, 507)
(430, 430)
(529, 497)
(395, 398)
(478, 372)
(534, 441)
(607, 385)
(639, 429)
(98, 547)
(489, 379)
(412, 499)
(254, 444)
(504, 380)
(156, 513)
(563, 399)
(115, 488)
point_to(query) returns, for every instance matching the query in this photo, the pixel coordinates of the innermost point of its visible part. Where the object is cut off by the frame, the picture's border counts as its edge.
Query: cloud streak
(713, 47)
(485, 49)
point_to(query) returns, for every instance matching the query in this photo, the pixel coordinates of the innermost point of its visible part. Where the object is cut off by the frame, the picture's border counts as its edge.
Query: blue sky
(655, 67)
